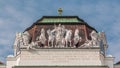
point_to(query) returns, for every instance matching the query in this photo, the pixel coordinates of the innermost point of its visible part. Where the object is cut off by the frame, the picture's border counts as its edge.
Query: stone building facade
(60, 42)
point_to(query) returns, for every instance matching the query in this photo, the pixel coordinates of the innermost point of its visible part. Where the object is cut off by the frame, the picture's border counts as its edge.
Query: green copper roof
(60, 20)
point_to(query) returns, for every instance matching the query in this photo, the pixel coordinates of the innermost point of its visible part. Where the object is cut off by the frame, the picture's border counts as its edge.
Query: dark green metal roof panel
(58, 19)
(73, 20)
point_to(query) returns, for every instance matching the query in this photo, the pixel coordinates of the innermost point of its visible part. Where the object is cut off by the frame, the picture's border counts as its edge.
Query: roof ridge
(43, 19)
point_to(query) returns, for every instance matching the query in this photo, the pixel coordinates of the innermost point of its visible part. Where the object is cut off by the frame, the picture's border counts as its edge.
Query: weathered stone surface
(60, 67)
(61, 57)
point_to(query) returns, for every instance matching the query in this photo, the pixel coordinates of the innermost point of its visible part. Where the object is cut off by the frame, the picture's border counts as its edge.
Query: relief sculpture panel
(60, 36)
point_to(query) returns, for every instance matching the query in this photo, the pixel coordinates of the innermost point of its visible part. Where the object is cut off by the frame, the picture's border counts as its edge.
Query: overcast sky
(17, 15)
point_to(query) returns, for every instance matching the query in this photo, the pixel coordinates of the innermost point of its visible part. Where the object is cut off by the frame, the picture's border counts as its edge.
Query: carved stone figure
(51, 37)
(77, 38)
(94, 42)
(31, 45)
(16, 39)
(26, 38)
(42, 38)
(94, 37)
(88, 43)
(102, 37)
(18, 42)
(68, 38)
(59, 35)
